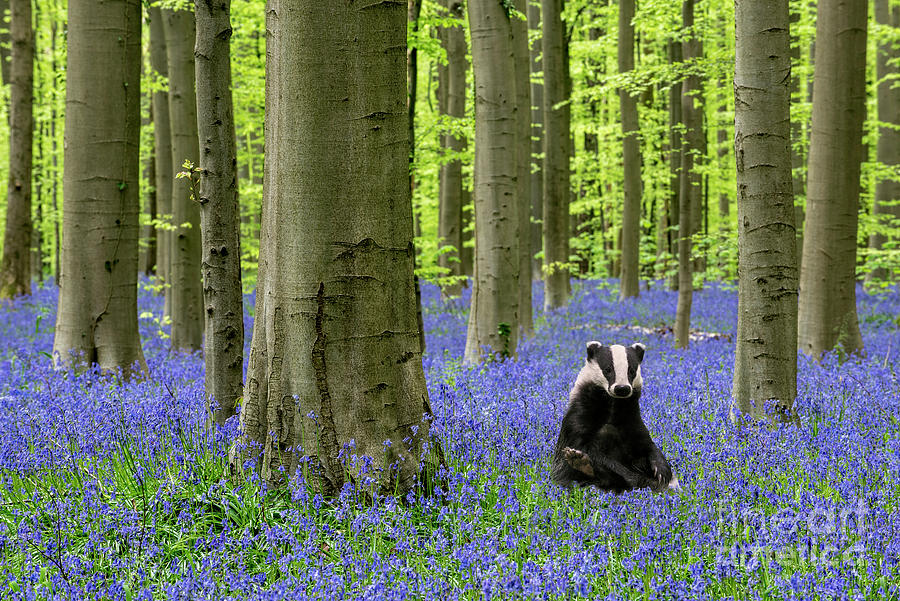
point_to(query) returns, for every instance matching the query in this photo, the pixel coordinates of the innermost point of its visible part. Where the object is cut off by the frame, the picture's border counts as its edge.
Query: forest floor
(116, 491)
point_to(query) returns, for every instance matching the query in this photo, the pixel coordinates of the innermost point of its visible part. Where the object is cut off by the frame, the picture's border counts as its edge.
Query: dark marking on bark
(327, 433)
(405, 357)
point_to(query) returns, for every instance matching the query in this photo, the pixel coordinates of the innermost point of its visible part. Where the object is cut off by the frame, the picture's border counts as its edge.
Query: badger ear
(639, 349)
(592, 347)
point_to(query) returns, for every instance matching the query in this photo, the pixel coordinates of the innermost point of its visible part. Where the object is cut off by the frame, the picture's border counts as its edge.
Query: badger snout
(621, 391)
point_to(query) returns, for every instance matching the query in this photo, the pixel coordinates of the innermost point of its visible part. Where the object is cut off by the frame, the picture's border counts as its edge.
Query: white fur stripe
(620, 365)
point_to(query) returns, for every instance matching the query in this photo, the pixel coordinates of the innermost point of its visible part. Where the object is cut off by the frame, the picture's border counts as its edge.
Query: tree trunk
(4, 42)
(219, 211)
(523, 163)
(629, 283)
(887, 191)
(335, 363)
(54, 166)
(690, 192)
(537, 137)
(15, 269)
(493, 320)
(673, 212)
(184, 262)
(797, 158)
(556, 147)
(828, 281)
(96, 319)
(162, 152)
(453, 96)
(414, 8)
(765, 363)
(147, 260)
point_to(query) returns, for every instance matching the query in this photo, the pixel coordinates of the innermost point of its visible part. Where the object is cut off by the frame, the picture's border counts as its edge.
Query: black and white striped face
(616, 368)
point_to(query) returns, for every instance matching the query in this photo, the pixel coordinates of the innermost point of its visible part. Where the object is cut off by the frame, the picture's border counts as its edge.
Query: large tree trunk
(335, 362)
(629, 283)
(162, 152)
(828, 281)
(673, 210)
(887, 191)
(453, 96)
(184, 263)
(15, 269)
(219, 211)
(523, 163)
(96, 319)
(765, 362)
(690, 193)
(493, 320)
(537, 137)
(556, 147)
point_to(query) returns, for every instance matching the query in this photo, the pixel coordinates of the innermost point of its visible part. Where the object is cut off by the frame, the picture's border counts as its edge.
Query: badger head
(615, 368)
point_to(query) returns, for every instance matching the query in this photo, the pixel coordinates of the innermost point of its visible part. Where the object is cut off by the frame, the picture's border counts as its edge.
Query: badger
(603, 441)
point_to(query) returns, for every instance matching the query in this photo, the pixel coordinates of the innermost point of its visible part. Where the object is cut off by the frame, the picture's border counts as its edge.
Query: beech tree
(765, 363)
(162, 153)
(557, 151)
(96, 319)
(887, 191)
(537, 136)
(452, 92)
(690, 182)
(184, 261)
(629, 282)
(828, 280)
(219, 211)
(335, 361)
(15, 268)
(522, 74)
(493, 317)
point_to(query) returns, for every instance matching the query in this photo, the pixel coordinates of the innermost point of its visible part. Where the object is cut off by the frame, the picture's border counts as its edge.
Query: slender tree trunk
(673, 212)
(724, 197)
(629, 283)
(54, 166)
(453, 104)
(493, 319)
(797, 158)
(4, 42)
(147, 261)
(523, 163)
(537, 136)
(335, 361)
(184, 262)
(887, 190)
(557, 147)
(15, 269)
(690, 193)
(162, 152)
(96, 319)
(219, 211)
(414, 8)
(765, 363)
(828, 281)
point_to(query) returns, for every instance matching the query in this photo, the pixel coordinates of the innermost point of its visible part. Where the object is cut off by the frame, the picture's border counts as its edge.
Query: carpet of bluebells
(112, 490)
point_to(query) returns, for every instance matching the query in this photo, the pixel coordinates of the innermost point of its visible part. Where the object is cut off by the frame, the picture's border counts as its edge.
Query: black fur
(608, 432)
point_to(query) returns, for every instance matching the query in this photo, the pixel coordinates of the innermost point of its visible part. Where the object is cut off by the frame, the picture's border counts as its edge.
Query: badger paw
(578, 461)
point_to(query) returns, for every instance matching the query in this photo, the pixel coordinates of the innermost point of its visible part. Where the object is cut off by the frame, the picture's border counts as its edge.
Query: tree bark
(453, 95)
(162, 152)
(797, 158)
(887, 190)
(557, 147)
(828, 281)
(97, 315)
(15, 268)
(765, 363)
(184, 262)
(629, 281)
(690, 191)
(522, 76)
(493, 321)
(147, 259)
(219, 211)
(335, 363)
(537, 137)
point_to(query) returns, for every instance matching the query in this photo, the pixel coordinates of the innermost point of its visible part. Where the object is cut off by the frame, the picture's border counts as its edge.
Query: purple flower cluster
(112, 490)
